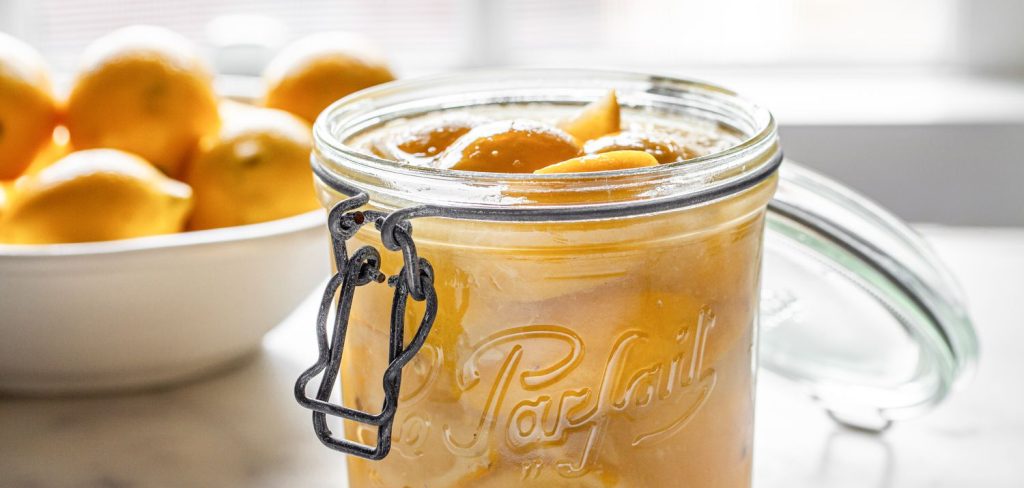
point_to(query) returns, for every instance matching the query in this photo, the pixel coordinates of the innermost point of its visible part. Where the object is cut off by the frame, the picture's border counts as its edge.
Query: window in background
(426, 35)
(729, 32)
(788, 31)
(414, 33)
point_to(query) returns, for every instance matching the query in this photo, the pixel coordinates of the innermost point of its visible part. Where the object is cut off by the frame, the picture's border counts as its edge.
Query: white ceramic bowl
(150, 311)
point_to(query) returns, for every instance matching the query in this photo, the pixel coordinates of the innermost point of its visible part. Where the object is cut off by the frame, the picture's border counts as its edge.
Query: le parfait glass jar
(602, 329)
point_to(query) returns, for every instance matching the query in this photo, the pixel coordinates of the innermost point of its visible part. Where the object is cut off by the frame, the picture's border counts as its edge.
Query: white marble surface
(242, 427)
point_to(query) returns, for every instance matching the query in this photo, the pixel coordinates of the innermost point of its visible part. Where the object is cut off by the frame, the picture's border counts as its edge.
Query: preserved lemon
(664, 148)
(511, 146)
(595, 120)
(601, 162)
(421, 142)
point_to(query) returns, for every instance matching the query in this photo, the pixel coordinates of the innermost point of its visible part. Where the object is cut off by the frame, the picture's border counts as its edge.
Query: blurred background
(917, 103)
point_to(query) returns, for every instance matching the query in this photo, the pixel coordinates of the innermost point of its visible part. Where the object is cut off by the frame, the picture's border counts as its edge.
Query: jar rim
(337, 163)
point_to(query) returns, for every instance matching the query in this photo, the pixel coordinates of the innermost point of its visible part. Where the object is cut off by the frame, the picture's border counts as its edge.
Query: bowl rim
(277, 227)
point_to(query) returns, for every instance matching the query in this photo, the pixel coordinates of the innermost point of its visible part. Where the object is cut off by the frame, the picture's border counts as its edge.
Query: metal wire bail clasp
(415, 280)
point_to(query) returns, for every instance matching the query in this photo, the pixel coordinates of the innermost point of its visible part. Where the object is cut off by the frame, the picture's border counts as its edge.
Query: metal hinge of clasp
(415, 280)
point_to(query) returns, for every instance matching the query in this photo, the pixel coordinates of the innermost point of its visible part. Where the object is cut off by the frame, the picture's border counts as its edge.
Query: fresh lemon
(28, 111)
(3, 197)
(313, 72)
(93, 195)
(144, 90)
(53, 150)
(256, 169)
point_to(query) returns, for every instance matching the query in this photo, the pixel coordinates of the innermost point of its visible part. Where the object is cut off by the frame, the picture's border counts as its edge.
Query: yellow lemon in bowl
(53, 150)
(313, 72)
(4, 188)
(256, 169)
(93, 195)
(28, 111)
(144, 90)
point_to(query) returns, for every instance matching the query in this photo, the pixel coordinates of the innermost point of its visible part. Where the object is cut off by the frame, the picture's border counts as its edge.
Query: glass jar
(601, 329)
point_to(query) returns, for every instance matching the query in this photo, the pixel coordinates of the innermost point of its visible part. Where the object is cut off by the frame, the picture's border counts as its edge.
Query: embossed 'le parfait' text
(555, 416)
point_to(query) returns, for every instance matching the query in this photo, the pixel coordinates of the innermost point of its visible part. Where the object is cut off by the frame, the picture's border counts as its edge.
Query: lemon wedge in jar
(608, 161)
(421, 142)
(509, 146)
(599, 118)
(663, 148)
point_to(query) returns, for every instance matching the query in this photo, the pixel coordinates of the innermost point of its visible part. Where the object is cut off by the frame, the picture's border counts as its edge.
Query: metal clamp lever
(415, 280)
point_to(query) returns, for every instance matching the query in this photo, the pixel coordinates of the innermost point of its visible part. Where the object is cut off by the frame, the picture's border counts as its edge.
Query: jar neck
(392, 185)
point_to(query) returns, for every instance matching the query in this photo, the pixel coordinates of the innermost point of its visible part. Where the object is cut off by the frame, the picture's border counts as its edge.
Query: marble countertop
(241, 427)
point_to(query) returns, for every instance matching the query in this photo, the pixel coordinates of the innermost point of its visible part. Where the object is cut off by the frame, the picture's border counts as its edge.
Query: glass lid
(855, 306)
